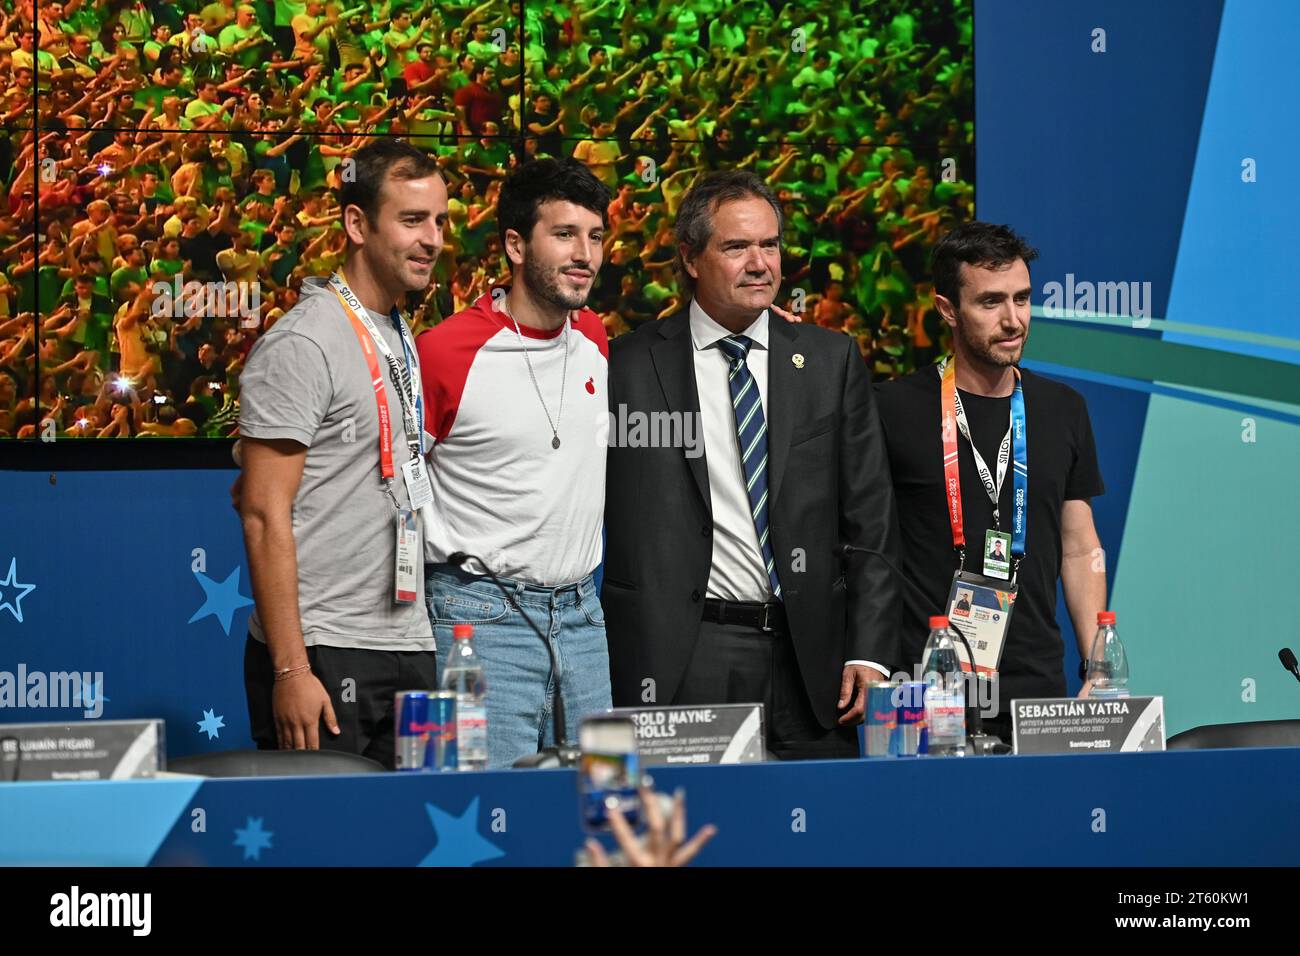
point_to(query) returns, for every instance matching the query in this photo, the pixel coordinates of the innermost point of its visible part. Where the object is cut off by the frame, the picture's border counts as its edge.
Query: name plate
(84, 750)
(1067, 725)
(719, 733)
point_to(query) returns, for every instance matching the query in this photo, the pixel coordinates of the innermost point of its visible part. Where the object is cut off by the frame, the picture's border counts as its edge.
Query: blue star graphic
(14, 604)
(459, 843)
(222, 600)
(253, 839)
(211, 724)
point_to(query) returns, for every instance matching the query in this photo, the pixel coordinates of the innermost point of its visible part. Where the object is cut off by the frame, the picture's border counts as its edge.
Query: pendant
(555, 442)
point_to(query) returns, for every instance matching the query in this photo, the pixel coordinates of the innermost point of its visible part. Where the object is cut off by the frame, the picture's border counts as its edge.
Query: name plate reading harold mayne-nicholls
(718, 733)
(1066, 725)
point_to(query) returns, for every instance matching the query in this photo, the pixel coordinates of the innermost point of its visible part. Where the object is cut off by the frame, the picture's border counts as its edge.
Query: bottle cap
(1105, 617)
(462, 630)
(938, 621)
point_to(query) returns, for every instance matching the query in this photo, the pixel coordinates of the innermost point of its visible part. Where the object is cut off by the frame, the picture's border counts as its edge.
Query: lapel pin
(797, 359)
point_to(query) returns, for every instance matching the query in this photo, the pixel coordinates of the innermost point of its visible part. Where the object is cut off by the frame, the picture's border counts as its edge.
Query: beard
(983, 349)
(545, 284)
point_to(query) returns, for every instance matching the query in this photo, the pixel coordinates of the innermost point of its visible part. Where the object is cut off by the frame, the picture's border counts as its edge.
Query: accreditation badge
(406, 588)
(980, 607)
(418, 487)
(997, 554)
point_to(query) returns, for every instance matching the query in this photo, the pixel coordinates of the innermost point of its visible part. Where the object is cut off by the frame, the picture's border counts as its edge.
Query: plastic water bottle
(1108, 661)
(463, 674)
(945, 691)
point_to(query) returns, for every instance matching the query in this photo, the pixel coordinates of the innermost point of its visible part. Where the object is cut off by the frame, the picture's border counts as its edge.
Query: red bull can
(425, 729)
(882, 718)
(909, 738)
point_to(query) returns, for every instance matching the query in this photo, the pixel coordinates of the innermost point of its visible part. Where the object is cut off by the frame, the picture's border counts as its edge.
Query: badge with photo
(997, 554)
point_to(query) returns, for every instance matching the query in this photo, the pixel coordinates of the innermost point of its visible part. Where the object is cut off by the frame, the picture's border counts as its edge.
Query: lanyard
(1013, 442)
(404, 376)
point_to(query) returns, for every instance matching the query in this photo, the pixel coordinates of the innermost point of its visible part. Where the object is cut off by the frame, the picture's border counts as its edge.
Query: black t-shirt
(201, 250)
(1062, 466)
(551, 143)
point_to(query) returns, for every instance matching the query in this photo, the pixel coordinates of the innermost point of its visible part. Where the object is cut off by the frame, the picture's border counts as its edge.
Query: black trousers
(361, 685)
(732, 664)
(999, 725)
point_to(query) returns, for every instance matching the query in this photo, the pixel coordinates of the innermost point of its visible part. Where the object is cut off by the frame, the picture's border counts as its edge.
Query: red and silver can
(425, 729)
(909, 739)
(882, 718)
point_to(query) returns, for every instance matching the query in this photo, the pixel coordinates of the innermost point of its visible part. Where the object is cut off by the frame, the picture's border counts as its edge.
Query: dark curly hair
(546, 180)
(981, 244)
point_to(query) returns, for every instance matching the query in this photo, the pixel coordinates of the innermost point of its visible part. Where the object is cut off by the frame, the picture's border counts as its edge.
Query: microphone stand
(978, 743)
(562, 754)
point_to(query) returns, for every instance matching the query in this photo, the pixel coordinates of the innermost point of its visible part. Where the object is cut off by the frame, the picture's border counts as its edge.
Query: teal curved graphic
(106, 823)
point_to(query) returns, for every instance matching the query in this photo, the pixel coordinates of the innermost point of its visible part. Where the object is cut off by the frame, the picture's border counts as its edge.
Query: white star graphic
(14, 604)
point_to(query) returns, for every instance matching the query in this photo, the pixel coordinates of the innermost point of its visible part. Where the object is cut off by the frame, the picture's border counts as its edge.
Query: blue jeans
(516, 666)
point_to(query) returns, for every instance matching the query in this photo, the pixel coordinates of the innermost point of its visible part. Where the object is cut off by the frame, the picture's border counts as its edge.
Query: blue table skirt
(1183, 808)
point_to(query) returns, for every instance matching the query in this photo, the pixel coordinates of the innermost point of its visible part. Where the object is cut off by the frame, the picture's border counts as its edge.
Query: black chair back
(274, 763)
(1254, 733)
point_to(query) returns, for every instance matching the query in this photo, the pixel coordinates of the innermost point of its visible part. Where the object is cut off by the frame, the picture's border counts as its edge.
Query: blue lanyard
(951, 414)
(417, 387)
(1019, 471)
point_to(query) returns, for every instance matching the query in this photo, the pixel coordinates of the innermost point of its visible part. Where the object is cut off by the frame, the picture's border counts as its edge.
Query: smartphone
(609, 771)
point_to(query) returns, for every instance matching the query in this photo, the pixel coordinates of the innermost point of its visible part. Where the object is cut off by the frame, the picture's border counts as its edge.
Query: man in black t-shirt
(982, 290)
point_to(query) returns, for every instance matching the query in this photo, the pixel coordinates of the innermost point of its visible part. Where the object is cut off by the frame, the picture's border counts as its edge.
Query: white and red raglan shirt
(534, 513)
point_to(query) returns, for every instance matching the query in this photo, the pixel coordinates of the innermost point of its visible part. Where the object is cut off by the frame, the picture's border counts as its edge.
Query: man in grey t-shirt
(331, 640)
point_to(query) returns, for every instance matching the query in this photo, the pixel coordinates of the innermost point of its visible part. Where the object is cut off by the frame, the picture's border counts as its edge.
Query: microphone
(978, 742)
(844, 551)
(1287, 657)
(562, 754)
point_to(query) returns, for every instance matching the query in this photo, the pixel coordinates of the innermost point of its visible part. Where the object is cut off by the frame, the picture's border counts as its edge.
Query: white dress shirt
(738, 571)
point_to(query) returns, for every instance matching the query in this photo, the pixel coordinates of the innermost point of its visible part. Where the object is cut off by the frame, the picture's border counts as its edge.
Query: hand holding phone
(664, 842)
(609, 771)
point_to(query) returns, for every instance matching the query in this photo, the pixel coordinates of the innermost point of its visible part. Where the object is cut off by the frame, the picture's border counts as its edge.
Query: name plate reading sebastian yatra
(719, 733)
(1066, 725)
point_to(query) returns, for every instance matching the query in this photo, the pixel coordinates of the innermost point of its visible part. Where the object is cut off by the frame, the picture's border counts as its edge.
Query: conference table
(1236, 807)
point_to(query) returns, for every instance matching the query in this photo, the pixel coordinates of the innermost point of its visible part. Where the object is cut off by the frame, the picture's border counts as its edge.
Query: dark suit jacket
(829, 484)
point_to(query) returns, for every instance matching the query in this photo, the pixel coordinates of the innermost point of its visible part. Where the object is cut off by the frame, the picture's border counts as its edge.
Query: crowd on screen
(188, 145)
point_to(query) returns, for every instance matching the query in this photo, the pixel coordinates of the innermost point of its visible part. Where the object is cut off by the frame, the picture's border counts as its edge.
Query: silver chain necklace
(564, 376)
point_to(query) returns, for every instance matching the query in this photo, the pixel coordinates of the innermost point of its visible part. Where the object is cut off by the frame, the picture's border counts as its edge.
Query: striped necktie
(751, 428)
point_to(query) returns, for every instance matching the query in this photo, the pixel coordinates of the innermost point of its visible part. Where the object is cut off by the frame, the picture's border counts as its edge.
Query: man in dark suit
(722, 579)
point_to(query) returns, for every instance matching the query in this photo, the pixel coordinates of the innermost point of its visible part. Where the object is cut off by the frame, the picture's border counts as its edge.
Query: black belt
(767, 617)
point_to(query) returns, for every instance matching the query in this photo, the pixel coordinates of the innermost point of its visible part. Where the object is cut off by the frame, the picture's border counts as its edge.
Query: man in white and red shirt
(515, 397)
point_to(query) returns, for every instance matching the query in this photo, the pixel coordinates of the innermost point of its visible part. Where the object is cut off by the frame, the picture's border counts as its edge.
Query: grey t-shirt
(307, 380)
